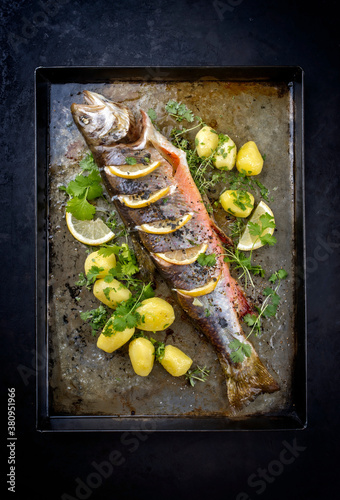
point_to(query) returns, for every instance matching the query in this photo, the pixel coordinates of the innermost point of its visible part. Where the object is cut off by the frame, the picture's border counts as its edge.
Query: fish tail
(245, 381)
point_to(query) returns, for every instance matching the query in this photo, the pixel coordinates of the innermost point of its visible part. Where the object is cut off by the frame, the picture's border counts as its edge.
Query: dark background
(188, 32)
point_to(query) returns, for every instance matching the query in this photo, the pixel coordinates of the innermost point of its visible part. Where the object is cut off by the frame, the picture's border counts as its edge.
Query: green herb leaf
(206, 260)
(159, 349)
(80, 208)
(241, 261)
(152, 114)
(130, 160)
(239, 351)
(88, 163)
(197, 374)
(268, 239)
(179, 111)
(92, 273)
(97, 317)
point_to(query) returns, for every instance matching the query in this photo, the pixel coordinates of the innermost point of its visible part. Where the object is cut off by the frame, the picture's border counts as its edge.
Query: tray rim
(44, 77)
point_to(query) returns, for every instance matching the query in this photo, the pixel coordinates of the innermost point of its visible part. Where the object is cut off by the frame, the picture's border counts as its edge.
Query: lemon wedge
(133, 171)
(248, 241)
(90, 232)
(202, 290)
(183, 257)
(165, 226)
(143, 200)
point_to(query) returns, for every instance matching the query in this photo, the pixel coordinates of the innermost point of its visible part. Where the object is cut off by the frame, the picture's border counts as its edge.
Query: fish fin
(246, 380)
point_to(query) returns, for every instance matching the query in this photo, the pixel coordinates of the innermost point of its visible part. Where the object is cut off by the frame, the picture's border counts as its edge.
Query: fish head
(102, 122)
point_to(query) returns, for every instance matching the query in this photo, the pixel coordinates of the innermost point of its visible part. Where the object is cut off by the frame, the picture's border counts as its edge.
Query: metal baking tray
(79, 388)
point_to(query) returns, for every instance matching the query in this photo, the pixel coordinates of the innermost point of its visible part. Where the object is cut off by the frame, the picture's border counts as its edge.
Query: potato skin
(175, 361)
(93, 259)
(115, 341)
(249, 159)
(118, 292)
(142, 356)
(225, 157)
(228, 203)
(206, 141)
(157, 313)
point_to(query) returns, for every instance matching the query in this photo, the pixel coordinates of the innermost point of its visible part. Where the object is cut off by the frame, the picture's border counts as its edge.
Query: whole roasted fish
(170, 194)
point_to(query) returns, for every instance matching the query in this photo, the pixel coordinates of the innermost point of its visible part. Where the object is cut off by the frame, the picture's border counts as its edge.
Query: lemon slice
(133, 171)
(91, 232)
(183, 257)
(248, 241)
(202, 290)
(165, 226)
(143, 200)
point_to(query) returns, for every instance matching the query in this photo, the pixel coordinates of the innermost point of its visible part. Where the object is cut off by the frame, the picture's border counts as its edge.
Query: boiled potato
(206, 141)
(175, 361)
(142, 356)
(237, 202)
(157, 314)
(226, 154)
(249, 160)
(107, 263)
(111, 293)
(116, 339)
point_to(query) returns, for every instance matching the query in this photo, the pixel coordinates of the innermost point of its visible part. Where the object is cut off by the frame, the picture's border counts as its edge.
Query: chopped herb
(198, 374)
(206, 260)
(82, 281)
(241, 261)
(98, 318)
(130, 160)
(242, 199)
(159, 349)
(242, 180)
(267, 309)
(179, 111)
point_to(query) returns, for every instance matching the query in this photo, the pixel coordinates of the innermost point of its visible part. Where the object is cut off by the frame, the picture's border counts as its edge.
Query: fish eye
(84, 119)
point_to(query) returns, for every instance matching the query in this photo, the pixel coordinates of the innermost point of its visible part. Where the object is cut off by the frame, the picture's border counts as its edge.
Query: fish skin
(227, 303)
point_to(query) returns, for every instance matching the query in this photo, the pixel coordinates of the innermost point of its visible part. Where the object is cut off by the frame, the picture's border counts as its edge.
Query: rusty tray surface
(83, 388)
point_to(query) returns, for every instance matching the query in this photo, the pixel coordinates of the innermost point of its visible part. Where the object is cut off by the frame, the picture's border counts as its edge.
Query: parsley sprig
(179, 111)
(239, 180)
(98, 318)
(257, 229)
(125, 315)
(91, 276)
(239, 351)
(241, 261)
(270, 304)
(83, 189)
(206, 259)
(197, 374)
